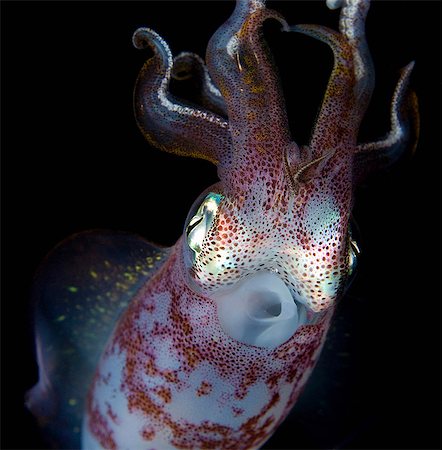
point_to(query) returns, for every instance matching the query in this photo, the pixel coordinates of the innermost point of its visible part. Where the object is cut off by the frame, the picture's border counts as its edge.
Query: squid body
(208, 344)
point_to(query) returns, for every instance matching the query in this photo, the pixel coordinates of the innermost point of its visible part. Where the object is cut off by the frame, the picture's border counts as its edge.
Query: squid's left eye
(201, 221)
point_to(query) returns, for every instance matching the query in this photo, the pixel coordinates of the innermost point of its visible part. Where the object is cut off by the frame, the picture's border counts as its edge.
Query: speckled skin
(171, 376)
(184, 382)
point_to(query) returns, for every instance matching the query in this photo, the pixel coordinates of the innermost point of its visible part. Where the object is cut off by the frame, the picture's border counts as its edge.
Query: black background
(73, 159)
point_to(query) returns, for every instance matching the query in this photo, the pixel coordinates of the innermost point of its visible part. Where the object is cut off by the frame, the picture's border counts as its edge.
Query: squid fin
(78, 294)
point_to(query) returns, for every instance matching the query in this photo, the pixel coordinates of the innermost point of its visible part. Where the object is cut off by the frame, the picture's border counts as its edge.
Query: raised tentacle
(166, 122)
(335, 127)
(352, 26)
(222, 49)
(403, 134)
(190, 66)
(241, 65)
(351, 83)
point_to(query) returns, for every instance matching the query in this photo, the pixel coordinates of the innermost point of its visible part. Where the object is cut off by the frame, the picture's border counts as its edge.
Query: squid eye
(353, 254)
(353, 247)
(201, 221)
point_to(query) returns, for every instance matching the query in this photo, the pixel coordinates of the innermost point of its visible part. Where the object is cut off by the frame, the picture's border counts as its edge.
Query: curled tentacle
(190, 66)
(167, 123)
(241, 65)
(403, 134)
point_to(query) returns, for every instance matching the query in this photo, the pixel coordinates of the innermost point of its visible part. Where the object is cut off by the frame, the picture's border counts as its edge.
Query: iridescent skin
(200, 358)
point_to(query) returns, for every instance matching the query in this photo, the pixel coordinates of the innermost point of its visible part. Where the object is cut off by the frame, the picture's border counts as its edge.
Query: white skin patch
(321, 217)
(232, 46)
(210, 403)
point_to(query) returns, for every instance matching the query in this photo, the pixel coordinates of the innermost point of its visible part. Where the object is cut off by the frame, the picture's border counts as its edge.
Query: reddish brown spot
(164, 393)
(99, 426)
(205, 388)
(170, 376)
(111, 413)
(148, 433)
(237, 411)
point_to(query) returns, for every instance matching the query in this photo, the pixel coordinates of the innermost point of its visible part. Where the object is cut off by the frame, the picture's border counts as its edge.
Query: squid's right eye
(201, 222)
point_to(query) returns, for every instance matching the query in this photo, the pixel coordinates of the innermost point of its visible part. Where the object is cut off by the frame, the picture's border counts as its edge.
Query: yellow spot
(121, 286)
(72, 402)
(138, 268)
(257, 89)
(129, 276)
(93, 274)
(60, 318)
(158, 257)
(251, 115)
(72, 289)
(107, 263)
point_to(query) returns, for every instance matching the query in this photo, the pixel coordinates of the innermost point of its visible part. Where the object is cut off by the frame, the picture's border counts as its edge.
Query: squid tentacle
(403, 134)
(259, 73)
(167, 123)
(223, 45)
(351, 83)
(352, 26)
(335, 126)
(189, 65)
(241, 65)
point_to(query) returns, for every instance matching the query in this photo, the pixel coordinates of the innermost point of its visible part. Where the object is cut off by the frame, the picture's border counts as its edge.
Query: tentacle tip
(285, 27)
(142, 36)
(335, 4)
(409, 67)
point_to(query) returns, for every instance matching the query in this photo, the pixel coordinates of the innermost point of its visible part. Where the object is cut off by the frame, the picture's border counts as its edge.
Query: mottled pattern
(186, 382)
(181, 369)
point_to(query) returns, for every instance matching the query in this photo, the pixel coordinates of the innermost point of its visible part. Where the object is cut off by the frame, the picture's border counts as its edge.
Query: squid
(208, 344)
